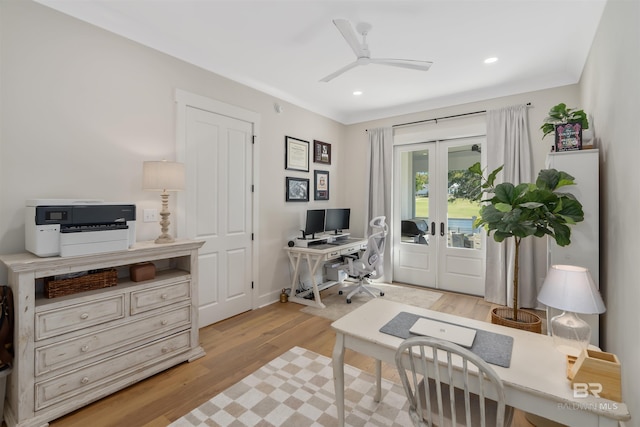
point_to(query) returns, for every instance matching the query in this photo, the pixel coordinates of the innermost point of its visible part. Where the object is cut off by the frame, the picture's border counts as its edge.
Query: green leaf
(503, 207)
(476, 168)
(572, 208)
(492, 176)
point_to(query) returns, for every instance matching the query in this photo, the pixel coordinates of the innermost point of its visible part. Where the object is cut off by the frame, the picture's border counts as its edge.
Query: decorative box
(598, 368)
(142, 271)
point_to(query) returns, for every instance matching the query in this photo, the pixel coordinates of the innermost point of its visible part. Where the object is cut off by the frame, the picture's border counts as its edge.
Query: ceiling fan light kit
(363, 56)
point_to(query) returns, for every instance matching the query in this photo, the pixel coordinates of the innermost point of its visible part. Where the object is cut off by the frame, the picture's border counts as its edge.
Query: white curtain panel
(379, 173)
(508, 144)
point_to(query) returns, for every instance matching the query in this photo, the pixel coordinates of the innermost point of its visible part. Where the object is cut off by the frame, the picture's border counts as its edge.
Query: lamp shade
(163, 176)
(571, 288)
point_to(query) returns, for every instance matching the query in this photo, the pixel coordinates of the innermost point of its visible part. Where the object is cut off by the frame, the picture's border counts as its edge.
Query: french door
(435, 244)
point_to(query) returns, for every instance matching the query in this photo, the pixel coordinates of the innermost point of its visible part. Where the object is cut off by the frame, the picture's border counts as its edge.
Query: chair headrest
(378, 222)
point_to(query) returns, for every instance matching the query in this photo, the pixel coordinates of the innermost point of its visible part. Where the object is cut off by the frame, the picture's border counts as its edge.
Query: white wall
(611, 93)
(82, 109)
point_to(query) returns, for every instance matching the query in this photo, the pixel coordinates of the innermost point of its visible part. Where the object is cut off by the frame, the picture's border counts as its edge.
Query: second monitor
(337, 220)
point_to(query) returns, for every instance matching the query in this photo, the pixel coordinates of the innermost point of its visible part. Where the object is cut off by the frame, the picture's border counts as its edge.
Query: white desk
(315, 256)
(535, 382)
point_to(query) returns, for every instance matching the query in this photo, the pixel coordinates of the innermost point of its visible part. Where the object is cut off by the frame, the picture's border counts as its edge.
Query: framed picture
(297, 189)
(321, 179)
(569, 136)
(296, 154)
(321, 152)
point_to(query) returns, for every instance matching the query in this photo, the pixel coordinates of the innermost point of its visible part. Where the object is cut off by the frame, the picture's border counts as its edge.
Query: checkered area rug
(297, 389)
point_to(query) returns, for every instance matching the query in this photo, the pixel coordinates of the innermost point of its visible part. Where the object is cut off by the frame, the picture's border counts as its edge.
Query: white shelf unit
(584, 249)
(75, 349)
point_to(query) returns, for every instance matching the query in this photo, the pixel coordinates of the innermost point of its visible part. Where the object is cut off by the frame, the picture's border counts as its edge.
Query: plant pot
(527, 321)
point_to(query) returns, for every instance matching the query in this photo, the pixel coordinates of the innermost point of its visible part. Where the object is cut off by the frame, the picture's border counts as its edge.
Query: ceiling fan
(362, 51)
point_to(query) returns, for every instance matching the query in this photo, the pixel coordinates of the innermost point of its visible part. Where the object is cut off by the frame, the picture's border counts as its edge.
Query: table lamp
(571, 289)
(163, 176)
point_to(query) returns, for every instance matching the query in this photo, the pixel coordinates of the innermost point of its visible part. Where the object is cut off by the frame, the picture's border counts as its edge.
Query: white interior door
(218, 157)
(435, 244)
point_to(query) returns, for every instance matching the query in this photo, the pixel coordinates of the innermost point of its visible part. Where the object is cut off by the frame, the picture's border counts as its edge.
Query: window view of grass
(458, 208)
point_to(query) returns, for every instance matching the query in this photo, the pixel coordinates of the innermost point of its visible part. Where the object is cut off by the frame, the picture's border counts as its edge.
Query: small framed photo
(569, 137)
(297, 189)
(296, 154)
(321, 152)
(321, 179)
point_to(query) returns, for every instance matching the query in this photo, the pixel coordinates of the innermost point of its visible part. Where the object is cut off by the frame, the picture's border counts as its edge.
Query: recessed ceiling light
(490, 60)
(357, 92)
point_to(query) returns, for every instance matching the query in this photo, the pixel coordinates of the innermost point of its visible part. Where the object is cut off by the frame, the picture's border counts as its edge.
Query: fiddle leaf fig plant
(529, 209)
(561, 114)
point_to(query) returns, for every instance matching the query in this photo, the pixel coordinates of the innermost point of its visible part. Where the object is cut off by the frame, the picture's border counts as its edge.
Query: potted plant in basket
(528, 209)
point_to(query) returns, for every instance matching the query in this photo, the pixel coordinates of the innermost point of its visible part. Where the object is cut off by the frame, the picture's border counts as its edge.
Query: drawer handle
(165, 350)
(84, 348)
(164, 296)
(85, 380)
(165, 322)
(84, 316)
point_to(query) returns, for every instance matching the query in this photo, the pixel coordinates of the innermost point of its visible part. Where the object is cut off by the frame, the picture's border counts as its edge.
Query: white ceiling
(284, 48)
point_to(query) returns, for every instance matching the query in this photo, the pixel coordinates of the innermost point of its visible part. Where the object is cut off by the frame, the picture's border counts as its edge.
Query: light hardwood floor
(235, 348)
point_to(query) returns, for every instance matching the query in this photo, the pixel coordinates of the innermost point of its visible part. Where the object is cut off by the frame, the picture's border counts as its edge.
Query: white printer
(68, 227)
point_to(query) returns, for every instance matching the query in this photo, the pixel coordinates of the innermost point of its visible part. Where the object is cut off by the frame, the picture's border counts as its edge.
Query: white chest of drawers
(75, 349)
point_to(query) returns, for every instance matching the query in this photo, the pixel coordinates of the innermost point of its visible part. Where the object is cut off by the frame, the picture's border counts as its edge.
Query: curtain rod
(528, 104)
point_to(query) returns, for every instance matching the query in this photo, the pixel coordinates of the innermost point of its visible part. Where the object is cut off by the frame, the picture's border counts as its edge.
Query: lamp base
(570, 333)
(165, 238)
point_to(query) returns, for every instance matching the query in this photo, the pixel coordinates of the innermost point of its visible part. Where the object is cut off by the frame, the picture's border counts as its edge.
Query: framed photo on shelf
(321, 179)
(569, 137)
(321, 152)
(297, 189)
(296, 154)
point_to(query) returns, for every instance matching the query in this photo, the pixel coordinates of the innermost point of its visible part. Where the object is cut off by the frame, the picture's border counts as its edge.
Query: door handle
(433, 228)
(442, 228)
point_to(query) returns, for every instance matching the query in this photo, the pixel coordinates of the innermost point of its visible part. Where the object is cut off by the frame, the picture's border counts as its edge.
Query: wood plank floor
(235, 348)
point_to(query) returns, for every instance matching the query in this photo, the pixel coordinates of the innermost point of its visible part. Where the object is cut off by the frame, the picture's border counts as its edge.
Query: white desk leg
(296, 270)
(295, 258)
(313, 268)
(338, 376)
(378, 395)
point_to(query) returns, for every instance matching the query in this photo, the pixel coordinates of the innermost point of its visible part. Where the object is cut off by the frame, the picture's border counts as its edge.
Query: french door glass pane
(462, 187)
(415, 203)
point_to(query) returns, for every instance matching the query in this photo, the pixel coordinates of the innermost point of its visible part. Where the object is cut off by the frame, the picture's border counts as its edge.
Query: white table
(316, 256)
(535, 382)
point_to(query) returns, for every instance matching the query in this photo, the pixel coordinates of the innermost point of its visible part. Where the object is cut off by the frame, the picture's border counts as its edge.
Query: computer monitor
(315, 222)
(337, 220)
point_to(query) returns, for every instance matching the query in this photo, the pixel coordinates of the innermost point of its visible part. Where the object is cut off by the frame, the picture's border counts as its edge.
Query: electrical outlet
(150, 215)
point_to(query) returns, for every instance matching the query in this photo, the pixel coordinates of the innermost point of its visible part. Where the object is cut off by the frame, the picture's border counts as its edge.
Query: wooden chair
(477, 398)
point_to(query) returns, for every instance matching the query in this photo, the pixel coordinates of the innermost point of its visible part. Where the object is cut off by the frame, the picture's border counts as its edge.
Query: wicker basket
(527, 321)
(102, 279)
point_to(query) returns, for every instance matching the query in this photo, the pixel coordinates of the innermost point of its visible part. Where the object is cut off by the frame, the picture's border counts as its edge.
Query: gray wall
(611, 93)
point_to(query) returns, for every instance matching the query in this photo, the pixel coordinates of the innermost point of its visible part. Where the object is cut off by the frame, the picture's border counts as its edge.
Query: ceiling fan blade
(350, 36)
(340, 71)
(404, 63)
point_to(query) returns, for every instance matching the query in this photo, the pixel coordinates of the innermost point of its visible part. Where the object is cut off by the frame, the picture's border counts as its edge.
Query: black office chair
(416, 228)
